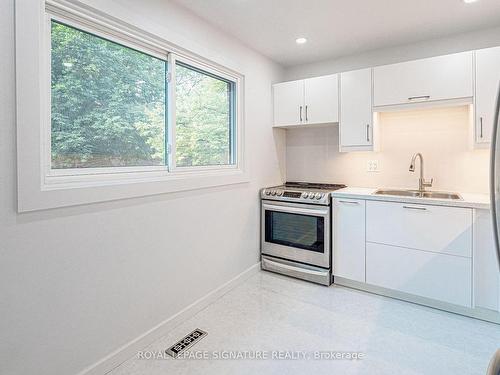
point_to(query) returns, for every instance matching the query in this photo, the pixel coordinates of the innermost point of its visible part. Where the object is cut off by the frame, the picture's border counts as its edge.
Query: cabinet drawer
(438, 229)
(441, 277)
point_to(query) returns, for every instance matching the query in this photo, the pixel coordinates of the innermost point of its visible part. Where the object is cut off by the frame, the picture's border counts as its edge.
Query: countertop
(481, 201)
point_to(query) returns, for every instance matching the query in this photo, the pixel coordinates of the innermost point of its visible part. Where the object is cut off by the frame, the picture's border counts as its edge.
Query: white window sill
(61, 191)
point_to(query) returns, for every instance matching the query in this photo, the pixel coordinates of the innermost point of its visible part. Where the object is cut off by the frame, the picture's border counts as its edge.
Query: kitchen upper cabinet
(306, 102)
(349, 239)
(288, 103)
(487, 79)
(321, 99)
(356, 126)
(426, 80)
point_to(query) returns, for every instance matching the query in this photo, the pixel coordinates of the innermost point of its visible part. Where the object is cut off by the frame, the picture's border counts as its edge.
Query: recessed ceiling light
(300, 40)
(469, 1)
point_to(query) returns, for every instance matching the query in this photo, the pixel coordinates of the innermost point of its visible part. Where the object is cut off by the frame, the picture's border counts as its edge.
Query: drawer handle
(348, 202)
(425, 97)
(415, 208)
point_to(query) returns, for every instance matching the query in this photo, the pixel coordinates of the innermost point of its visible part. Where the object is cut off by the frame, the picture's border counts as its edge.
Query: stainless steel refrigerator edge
(495, 176)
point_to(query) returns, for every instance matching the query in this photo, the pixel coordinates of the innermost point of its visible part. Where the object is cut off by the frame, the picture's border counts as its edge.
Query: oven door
(299, 232)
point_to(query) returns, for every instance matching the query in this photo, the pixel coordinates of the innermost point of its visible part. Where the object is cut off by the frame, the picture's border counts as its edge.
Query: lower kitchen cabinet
(486, 270)
(349, 239)
(438, 255)
(418, 226)
(438, 276)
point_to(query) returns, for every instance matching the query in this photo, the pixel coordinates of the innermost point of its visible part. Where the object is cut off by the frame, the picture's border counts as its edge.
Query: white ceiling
(337, 28)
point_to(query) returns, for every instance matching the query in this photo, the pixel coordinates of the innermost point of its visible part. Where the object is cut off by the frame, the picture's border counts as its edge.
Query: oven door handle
(296, 210)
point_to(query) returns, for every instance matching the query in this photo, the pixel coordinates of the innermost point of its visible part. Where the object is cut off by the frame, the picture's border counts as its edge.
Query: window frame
(40, 186)
(53, 177)
(203, 68)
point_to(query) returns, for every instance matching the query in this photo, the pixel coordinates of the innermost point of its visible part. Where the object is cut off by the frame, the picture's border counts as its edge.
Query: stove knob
(305, 194)
(267, 192)
(311, 195)
(273, 193)
(279, 193)
(318, 195)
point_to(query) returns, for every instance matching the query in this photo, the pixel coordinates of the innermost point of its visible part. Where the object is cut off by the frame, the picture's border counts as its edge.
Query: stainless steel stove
(296, 230)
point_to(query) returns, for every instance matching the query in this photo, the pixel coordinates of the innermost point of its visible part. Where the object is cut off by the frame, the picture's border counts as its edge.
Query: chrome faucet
(422, 184)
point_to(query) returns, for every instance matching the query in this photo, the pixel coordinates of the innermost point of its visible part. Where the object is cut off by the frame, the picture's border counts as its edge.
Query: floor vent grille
(186, 342)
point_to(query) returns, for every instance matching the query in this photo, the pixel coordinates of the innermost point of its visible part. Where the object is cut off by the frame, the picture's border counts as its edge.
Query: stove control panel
(296, 196)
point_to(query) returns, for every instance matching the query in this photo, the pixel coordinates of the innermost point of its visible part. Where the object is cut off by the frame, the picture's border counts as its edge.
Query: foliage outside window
(109, 107)
(203, 118)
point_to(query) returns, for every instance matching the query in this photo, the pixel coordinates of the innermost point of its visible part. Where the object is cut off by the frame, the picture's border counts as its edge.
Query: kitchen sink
(419, 194)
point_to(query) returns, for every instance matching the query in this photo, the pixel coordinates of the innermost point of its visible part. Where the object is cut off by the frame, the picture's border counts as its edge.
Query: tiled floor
(273, 313)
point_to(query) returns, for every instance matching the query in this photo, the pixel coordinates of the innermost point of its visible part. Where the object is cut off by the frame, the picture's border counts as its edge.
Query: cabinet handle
(306, 114)
(349, 202)
(300, 113)
(415, 208)
(480, 127)
(426, 97)
(368, 132)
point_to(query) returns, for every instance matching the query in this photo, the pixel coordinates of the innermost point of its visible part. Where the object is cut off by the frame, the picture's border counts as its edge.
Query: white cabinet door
(289, 103)
(486, 271)
(436, 78)
(321, 99)
(356, 108)
(349, 239)
(487, 79)
(424, 227)
(432, 275)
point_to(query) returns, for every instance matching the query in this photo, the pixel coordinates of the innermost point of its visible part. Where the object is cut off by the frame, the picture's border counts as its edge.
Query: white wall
(442, 46)
(79, 282)
(442, 135)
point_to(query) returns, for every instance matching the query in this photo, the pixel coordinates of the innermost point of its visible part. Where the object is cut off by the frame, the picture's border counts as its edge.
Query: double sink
(422, 184)
(419, 194)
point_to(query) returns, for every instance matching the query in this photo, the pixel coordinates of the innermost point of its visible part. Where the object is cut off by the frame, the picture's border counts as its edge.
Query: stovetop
(301, 192)
(312, 185)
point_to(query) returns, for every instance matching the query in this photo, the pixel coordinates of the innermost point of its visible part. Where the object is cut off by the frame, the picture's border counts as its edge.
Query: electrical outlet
(372, 166)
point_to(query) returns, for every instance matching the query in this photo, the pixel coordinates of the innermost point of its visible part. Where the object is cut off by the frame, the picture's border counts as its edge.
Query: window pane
(108, 103)
(204, 118)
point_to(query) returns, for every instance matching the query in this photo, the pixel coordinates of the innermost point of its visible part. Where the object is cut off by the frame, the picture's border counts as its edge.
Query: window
(109, 107)
(204, 118)
(108, 111)
(108, 103)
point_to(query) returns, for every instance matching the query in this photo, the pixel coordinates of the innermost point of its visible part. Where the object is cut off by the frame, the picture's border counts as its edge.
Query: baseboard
(477, 313)
(128, 350)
